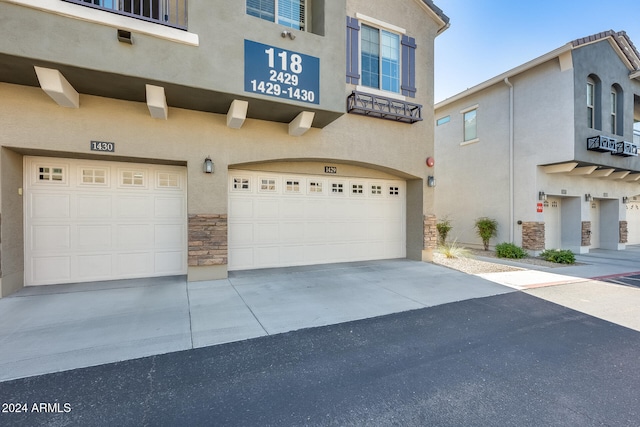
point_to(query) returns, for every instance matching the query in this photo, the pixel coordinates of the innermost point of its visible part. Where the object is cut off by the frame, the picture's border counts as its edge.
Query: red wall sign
(539, 207)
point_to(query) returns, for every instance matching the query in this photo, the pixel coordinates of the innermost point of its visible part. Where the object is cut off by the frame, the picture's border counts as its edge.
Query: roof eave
(436, 14)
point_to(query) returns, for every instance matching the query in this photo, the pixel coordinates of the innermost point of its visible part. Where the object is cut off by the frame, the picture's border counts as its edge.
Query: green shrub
(560, 256)
(443, 227)
(486, 228)
(509, 250)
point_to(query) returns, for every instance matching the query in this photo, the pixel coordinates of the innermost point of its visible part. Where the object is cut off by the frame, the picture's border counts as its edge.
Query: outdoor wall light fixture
(431, 181)
(625, 200)
(588, 198)
(207, 167)
(542, 196)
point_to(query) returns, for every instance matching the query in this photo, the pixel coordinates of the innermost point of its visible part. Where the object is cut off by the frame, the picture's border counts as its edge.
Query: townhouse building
(143, 138)
(549, 149)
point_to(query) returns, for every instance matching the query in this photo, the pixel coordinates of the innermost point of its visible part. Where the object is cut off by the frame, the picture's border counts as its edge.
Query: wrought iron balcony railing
(383, 108)
(172, 13)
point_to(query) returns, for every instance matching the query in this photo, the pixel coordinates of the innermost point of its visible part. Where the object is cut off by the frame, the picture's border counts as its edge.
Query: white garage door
(633, 222)
(595, 224)
(93, 220)
(278, 220)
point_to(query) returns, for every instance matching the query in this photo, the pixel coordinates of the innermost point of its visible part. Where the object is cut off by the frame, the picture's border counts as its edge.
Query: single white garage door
(94, 220)
(278, 220)
(552, 228)
(633, 222)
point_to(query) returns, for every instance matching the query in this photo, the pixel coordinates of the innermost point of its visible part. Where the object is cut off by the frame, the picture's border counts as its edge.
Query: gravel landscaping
(473, 265)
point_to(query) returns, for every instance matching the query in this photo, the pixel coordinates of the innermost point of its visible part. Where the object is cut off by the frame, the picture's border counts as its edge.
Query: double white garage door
(92, 220)
(96, 220)
(278, 220)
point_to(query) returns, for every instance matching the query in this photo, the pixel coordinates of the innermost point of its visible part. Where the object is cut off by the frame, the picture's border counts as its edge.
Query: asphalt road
(508, 360)
(627, 280)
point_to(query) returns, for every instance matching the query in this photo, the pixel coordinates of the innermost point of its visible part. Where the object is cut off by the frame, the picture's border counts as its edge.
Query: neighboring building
(548, 149)
(136, 142)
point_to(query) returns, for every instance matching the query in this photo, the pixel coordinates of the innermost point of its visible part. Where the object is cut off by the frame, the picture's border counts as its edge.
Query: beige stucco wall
(33, 124)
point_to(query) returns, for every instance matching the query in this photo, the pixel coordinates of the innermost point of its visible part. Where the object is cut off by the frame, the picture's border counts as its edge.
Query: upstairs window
(290, 13)
(591, 89)
(470, 125)
(380, 58)
(617, 120)
(614, 111)
(594, 102)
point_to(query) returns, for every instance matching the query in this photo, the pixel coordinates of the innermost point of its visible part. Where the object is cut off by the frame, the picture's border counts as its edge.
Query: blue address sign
(282, 73)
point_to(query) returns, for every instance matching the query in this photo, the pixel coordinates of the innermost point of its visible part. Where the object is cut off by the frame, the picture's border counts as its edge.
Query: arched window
(594, 116)
(616, 107)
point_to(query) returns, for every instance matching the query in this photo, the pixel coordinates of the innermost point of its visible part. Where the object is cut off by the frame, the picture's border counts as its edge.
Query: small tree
(486, 228)
(443, 227)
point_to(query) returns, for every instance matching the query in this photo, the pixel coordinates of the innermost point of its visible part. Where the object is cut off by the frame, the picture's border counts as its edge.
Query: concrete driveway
(54, 328)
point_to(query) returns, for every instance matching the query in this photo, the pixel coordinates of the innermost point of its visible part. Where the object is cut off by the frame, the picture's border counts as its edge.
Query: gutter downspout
(511, 167)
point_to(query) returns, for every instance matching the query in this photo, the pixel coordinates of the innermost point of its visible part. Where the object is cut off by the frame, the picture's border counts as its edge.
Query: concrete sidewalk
(54, 328)
(581, 286)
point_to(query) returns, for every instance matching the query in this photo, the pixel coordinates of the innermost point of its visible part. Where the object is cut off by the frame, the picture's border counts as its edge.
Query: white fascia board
(443, 25)
(114, 20)
(500, 79)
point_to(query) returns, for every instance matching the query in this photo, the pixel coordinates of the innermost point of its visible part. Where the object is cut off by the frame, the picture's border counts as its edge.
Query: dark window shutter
(408, 66)
(353, 36)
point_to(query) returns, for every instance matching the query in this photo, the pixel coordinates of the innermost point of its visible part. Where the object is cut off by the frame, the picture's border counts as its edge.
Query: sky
(489, 37)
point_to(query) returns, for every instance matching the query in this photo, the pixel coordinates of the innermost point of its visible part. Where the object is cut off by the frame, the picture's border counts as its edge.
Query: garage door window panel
(337, 188)
(241, 184)
(130, 178)
(268, 185)
(168, 180)
(292, 186)
(94, 177)
(316, 187)
(394, 191)
(52, 174)
(357, 189)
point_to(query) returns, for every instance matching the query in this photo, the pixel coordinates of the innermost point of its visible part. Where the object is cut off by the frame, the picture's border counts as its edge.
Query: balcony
(383, 108)
(172, 13)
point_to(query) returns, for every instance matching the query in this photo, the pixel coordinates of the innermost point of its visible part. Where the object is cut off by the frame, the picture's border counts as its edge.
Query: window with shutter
(380, 58)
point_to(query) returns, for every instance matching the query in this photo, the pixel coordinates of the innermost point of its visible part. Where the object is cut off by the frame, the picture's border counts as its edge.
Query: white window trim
(466, 110)
(463, 112)
(471, 141)
(96, 16)
(380, 24)
(380, 92)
